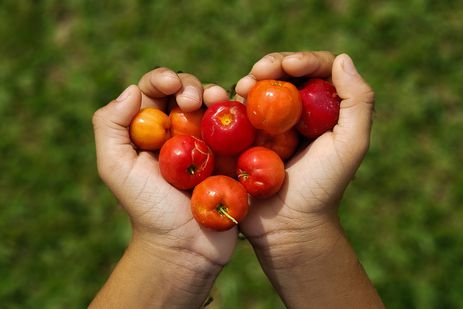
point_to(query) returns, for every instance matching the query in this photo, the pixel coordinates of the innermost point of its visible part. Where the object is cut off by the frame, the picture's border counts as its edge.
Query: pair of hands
(303, 212)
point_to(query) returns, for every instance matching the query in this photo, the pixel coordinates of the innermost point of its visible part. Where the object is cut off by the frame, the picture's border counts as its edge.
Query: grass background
(60, 232)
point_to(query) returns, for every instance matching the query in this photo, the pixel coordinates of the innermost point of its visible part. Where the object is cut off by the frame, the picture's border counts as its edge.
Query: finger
(269, 67)
(355, 115)
(239, 98)
(159, 103)
(244, 85)
(307, 63)
(156, 85)
(159, 83)
(287, 64)
(113, 146)
(190, 96)
(214, 93)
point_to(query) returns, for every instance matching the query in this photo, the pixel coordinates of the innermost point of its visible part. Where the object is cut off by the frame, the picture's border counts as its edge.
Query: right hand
(159, 213)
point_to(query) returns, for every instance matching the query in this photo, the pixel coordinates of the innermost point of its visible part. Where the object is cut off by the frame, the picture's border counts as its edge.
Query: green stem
(224, 211)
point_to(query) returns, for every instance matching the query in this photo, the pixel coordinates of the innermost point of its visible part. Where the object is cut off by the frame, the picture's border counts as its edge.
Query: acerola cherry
(261, 171)
(149, 129)
(219, 202)
(273, 106)
(185, 161)
(185, 123)
(320, 108)
(284, 144)
(226, 128)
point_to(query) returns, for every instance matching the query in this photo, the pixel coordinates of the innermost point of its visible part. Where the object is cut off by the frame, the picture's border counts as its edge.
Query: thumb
(352, 133)
(114, 150)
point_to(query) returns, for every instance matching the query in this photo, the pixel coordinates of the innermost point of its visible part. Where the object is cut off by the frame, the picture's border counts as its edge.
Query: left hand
(306, 207)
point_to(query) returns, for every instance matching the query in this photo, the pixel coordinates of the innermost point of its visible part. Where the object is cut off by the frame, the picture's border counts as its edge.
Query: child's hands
(173, 262)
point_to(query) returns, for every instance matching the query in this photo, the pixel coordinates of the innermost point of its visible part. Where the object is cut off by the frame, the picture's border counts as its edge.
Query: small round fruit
(226, 128)
(149, 129)
(273, 106)
(320, 110)
(284, 144)
(185, 123)
(185, 161)
(219, 202)
(261, 171)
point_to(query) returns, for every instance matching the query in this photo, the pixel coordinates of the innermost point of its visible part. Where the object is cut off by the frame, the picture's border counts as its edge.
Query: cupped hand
(319, 174)
(159, 213)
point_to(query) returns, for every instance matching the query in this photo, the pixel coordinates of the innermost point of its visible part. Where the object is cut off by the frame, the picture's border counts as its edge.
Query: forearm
(148, 277)
(320, 270)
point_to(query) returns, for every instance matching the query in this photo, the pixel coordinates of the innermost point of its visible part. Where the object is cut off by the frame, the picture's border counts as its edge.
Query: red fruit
(185, 123)
(320, 108)
(284, 144)
(226, 128)
(185, 161)
(273, 106)
(261, 171)
(219, 202)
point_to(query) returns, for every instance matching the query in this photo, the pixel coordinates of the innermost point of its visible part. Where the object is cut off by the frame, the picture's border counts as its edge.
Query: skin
(297, 235)
(172, 263)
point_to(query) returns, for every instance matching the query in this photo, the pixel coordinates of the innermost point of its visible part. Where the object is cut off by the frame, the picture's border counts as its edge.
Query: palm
(158, 208)
(315, 181)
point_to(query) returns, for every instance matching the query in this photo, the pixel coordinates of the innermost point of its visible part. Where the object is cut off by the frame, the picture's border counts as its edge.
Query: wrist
(186, 276)
(174, 255)
(316, 267)
(298, 244)
(151, 275)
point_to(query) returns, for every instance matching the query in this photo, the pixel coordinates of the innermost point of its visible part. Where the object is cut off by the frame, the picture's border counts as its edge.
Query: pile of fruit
(230, 151)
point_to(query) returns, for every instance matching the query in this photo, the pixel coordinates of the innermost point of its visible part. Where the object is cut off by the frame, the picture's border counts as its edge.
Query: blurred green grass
(60, 231)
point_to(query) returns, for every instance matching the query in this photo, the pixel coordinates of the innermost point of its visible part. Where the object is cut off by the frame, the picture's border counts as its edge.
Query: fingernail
(348, 66)
(266, 60)
(248, 79)
(190, 92)
(124, 95)
(295, 56)
(170, 75)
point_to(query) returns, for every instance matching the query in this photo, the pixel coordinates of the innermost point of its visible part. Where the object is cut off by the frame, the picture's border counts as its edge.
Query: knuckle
(102, 171)
(98, 117)
(354, 152)
(273, 57)
(188, 78)
(369, 93)
(362, 146)
(272, 54)
(329, 54)
(109, 167)
(365, 93)
(159, 69)
(323, 54)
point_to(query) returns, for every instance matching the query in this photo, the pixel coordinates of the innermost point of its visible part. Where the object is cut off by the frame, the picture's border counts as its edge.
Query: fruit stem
(191, 169)
(223, 211)
(242, 174)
